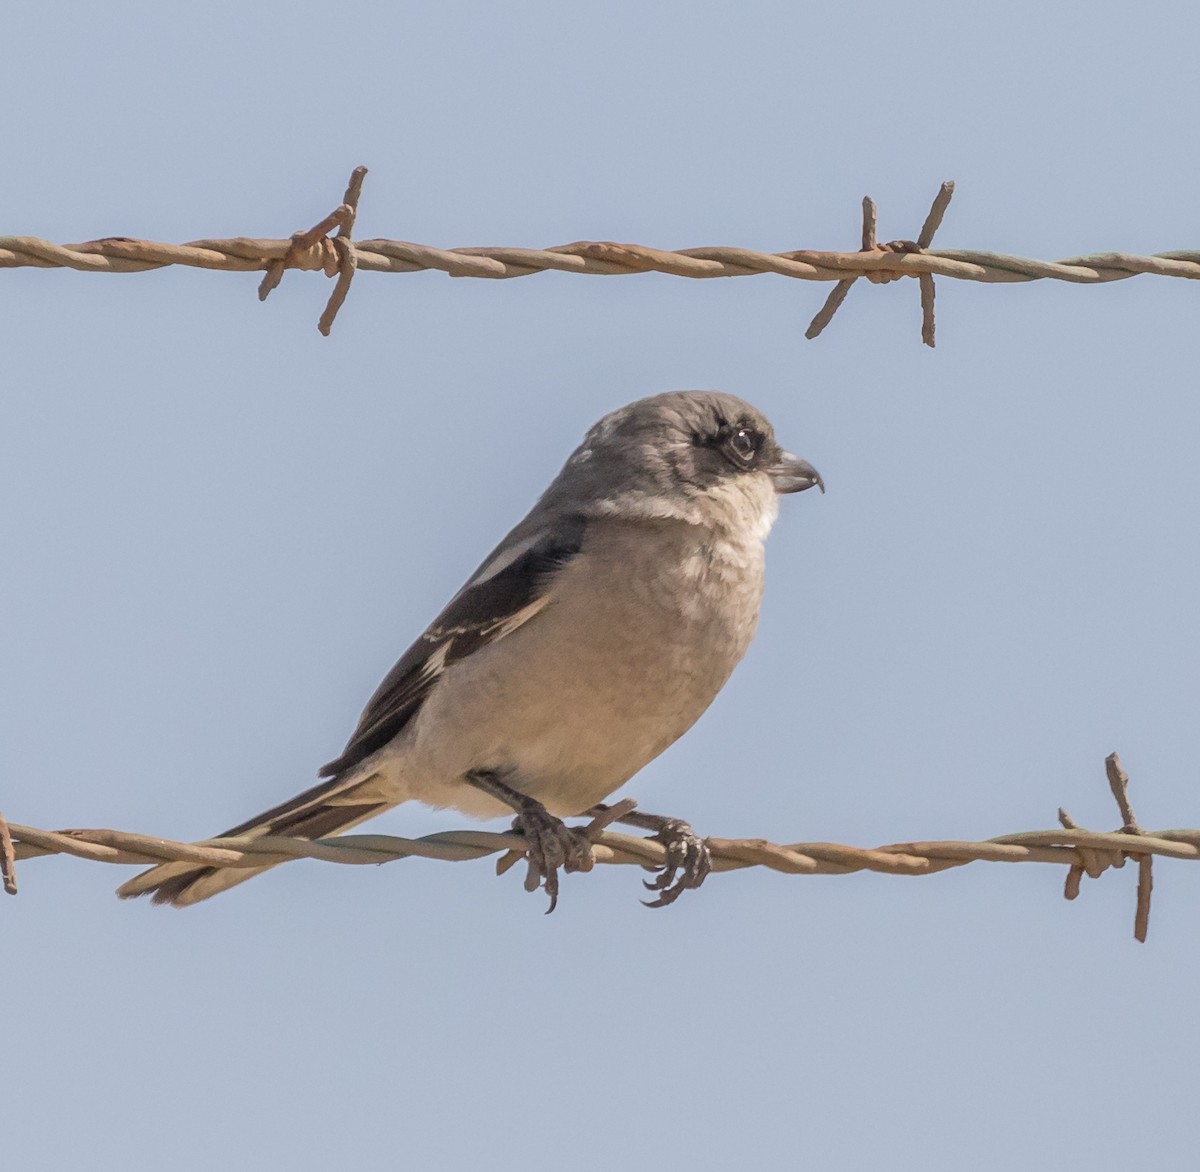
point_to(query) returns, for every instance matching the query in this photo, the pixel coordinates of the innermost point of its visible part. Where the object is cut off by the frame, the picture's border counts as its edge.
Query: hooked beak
(791, 474)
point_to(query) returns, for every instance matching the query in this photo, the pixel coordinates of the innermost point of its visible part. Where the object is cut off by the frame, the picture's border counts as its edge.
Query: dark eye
(743, 444)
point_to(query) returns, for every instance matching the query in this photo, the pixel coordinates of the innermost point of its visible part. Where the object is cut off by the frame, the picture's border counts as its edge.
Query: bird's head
(700, 456)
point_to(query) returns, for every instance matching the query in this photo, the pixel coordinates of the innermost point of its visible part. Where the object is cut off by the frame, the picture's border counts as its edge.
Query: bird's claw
(689, 861)
(550, 844)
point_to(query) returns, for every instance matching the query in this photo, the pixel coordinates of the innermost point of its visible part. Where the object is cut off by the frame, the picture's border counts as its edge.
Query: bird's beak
(791, 474)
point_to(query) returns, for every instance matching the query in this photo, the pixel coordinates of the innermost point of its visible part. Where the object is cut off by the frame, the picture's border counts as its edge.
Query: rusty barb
(1083, 852)
(1094, 862)
(315, 249)
(933, 221)
(8, 859)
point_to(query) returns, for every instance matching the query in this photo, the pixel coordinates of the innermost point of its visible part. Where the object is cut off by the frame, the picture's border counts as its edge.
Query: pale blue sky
(221, 529)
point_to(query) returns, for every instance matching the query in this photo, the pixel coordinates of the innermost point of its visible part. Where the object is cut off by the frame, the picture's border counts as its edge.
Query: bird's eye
(743, 444)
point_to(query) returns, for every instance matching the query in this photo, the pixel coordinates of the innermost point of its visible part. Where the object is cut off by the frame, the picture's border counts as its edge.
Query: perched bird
(589, 640)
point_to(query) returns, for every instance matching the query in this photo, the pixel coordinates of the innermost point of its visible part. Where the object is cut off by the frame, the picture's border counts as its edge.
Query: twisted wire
(1083, 852)
(1066, 847)
(339, 256)
(243, 254)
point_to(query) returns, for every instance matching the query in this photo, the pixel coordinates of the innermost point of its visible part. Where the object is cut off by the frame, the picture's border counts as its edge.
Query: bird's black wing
(494, 603)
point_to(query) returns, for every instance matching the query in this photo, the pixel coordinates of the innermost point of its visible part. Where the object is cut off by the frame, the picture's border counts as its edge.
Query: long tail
(328, 808)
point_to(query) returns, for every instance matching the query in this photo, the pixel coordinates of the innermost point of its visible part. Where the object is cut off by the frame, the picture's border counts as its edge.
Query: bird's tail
(328, 808)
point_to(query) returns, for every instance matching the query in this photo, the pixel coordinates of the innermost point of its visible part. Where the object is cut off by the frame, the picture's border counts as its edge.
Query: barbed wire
(1083, 852)
(341, 257)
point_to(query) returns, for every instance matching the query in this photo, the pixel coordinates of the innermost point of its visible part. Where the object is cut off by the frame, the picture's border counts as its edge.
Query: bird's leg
(550, 842)
(689, 859)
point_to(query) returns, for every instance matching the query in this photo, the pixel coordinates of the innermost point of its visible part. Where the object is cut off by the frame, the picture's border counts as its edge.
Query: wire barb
(933, 221)
(315, 249)
(1094, 863)
(8, 859)
(1118, 781)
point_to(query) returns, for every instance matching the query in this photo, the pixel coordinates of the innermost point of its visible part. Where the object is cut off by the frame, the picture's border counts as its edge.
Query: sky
(221, 529)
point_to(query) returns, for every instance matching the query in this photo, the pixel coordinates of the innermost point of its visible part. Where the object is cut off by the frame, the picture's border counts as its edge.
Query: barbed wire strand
(1083, 852)
(342, 257)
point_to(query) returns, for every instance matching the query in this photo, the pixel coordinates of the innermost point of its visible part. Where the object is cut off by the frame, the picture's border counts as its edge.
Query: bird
(588, 641)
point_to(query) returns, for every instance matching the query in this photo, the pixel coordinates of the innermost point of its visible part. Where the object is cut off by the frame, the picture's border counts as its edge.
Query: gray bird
(591, 638)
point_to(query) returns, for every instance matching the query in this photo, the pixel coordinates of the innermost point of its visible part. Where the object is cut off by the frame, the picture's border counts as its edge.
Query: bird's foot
(689, 861)
(551, 844)
(689, 857)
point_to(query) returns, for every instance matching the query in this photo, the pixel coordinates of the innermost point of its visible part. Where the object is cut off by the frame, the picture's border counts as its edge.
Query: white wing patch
(436, 663)
(504, 558)
(519, 619)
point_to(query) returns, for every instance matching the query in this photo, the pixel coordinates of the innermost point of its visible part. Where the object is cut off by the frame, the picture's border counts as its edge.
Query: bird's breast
(640, 632)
